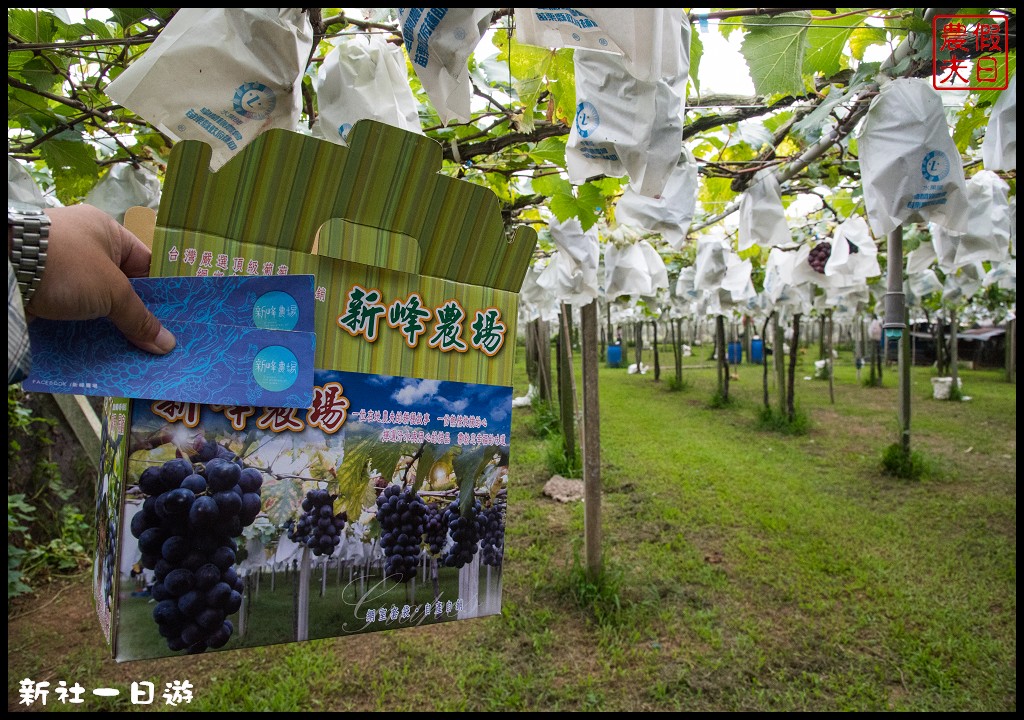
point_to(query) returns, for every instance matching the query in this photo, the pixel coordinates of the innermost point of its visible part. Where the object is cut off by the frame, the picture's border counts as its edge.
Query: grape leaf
(696, 53)
(73, 165)
(864, 37)
(825, 42)
(551, 150)
(715, 193)
(986, 97)
(30, 26)
(968, 120)
(774, 49)
(550, 185)
(126, 17)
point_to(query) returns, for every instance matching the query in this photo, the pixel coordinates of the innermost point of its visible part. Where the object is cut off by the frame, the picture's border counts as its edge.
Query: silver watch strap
(30, 240)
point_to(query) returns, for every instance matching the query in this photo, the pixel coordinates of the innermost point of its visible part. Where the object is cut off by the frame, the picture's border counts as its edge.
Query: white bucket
(942, 385)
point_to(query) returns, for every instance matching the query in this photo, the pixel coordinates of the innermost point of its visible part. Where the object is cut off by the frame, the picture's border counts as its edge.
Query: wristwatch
(30, 230)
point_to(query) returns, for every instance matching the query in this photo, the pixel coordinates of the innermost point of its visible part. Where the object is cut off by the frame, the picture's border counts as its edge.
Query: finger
(133, 254)
(138, 324)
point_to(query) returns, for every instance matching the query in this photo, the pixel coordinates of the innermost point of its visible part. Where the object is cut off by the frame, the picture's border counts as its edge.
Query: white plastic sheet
(363, 77)
(910, 167)
(987, 235)
(125, 186)
(762, 217)
(1003, 275)
(571, 275)
(220, 75)
(685, 288)
(737, 281)
(21, 187)
(623, 125)
(999, 148)
(960, 286)
(988, 227)
(536, 302)
(635, 269)
(920, 258)
(671, 213)
(923, 283)
(712, 261)
(646, 38)
(439, 42)
(853, 266)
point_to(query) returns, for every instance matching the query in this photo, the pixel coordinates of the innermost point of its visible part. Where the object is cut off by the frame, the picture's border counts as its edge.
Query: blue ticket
(242, 340)
(271, 302)
(211, 364)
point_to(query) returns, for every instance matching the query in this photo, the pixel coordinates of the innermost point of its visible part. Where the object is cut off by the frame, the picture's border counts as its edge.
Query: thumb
(130, 315)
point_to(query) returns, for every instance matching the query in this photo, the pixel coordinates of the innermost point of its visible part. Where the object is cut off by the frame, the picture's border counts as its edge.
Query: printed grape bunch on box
(381, 505)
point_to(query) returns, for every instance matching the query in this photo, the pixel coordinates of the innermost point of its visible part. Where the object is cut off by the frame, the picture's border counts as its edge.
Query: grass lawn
(745, 570)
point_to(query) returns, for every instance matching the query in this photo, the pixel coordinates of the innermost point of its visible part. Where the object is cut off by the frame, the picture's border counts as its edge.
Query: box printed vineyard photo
(381, 506)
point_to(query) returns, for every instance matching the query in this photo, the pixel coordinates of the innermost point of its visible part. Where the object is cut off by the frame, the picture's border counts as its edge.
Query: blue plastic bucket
(615, 356)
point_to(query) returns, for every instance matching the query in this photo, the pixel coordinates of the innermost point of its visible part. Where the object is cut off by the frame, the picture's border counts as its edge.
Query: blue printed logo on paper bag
(587, 119)
(254, 101)
(275, 368)
(935, 166)
(276, 310)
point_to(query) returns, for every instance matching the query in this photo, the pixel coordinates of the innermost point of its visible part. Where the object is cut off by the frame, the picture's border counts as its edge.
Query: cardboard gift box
(383, 504)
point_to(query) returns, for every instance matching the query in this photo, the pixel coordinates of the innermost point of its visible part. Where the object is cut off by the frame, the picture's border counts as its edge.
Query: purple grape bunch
(492, 545)
(194, 508)
(819, 255)
(466, 531)
(319, 528)
(401, 514)
(435, 530)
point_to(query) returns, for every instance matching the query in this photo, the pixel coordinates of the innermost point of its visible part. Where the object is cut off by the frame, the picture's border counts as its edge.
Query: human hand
(89, 260)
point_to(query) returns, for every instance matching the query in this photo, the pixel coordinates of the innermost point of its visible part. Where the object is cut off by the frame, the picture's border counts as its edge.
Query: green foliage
(600, 594)
(29, 561)
(696, 53)
(770, 419)
(904, 465)
(559, 462)
(19, 515)
(826, 40)
(544, 422)
(676, 384)
(719, 401)
(774, 49)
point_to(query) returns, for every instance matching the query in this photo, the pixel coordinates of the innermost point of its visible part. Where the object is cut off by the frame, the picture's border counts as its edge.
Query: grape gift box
(381, 505)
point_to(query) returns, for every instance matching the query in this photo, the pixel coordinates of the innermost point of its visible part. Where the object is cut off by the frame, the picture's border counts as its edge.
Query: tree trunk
(779, 355)
(861, 347)
(677, 350)
(531, 352)
(544, 384)
(764, 360)
(657, 360)
(638, 344)
(821, 337)
(721, 352)
(748, 338)
(1010, 343)
(954, 351)
(591, 443)
(829, 360)
(565, 383)
(904, 387)
(793, 352)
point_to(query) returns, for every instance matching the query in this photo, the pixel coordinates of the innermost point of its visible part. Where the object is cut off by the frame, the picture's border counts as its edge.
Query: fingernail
(165, 341)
